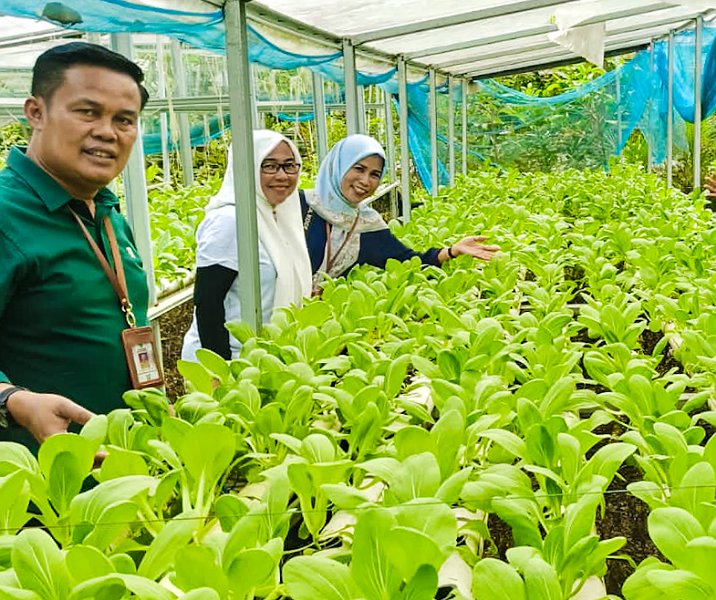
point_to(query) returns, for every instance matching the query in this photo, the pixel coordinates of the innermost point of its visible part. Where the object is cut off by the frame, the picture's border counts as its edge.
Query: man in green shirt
(61, 358)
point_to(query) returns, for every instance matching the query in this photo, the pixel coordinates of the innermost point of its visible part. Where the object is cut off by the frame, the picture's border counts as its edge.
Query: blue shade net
(584, 127)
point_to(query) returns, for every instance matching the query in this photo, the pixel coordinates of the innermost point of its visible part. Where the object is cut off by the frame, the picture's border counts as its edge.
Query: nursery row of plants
(371, 444)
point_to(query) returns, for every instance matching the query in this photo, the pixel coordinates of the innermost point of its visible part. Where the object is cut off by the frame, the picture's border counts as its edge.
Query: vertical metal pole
(697, 101)
(451, 128)
(242, 145)
(464, 126)
(254, 108)
(349, 70)
(649, 160)
(670, 115)
(360, 101)
(185, 154)
(404, 149)
(135, 186)
(390, 151)
(319, 116)
(163, 124)
(619, 110)
(433, 103)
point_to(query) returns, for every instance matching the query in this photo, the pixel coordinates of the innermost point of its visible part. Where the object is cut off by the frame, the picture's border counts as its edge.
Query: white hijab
(280, 228)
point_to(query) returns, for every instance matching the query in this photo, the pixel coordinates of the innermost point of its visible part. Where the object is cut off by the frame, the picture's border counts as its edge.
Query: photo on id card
(142, 358)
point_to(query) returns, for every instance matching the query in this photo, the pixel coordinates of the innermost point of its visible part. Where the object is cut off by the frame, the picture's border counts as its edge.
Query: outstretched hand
(44, 415)
(473, 246)
(710, 184)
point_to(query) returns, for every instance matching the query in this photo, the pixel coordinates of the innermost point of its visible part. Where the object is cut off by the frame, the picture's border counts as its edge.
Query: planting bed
(422, 433)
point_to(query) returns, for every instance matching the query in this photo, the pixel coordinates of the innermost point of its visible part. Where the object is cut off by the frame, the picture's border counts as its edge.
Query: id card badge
(142, 358)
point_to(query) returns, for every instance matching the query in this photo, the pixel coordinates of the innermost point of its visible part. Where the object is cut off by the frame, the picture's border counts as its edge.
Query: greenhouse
(533, 421)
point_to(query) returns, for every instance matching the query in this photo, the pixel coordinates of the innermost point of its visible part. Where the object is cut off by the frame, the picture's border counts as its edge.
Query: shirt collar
(48, 190)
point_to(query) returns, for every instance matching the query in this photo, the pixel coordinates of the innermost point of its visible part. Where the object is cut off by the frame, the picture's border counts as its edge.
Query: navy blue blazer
(376, 247)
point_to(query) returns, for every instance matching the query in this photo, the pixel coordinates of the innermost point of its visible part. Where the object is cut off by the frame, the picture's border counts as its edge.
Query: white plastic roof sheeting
(483, 37)
(472, 38)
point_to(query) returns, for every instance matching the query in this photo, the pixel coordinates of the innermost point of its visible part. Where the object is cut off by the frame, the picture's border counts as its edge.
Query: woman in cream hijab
(284, 267)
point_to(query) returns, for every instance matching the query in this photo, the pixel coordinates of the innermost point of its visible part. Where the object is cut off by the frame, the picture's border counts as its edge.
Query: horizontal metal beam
(543, 29)
(204, 104)
(26, 39)
(277, 20)
(526, 67)
(541, 45)
(546, 45)
(516, 6)
(486, 41)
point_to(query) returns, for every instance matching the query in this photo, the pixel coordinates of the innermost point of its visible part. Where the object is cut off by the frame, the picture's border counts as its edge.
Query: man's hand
(44, 415)
(710, 184)
(473, 246)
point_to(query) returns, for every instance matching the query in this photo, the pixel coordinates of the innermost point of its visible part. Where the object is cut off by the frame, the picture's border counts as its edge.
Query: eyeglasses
(271, 168)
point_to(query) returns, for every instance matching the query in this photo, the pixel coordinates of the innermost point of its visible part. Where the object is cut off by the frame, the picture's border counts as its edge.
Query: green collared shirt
(60, 319)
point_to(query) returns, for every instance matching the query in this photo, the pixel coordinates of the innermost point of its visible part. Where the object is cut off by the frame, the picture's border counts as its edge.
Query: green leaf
(241, 330)
(370, 566)
(672, 529)
(344, 496)
(204, 593)
(313, 577)
(700, 556)
(215, 364)
(540, 577)
(85, 563)
(507, 440)
(494, 580)
(450, 490)
(95, 431)
(417, 477)
(412, 440)
(197, 567)
(579, 519)
(229, 509)
(112, 523)
(174, 535)
(695, 491)
(144, 588)
(395, 375)
(318, 448)
(423, 551)
(434, 519)
(106, 587)
(681, 584)
(120, 463)
(14, 500)
(449, 435)
(248, 570)
(423, 585)
(39, 565)
(197, 375)
(207, 451)
(66, 460)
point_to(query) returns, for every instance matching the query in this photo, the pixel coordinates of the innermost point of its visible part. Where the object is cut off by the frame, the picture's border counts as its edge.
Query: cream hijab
(280, 228)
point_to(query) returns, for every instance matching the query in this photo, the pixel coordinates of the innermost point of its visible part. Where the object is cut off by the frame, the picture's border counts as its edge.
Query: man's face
(84, 134)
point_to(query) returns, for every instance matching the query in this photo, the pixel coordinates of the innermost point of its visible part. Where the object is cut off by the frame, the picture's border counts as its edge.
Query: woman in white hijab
(284, 267)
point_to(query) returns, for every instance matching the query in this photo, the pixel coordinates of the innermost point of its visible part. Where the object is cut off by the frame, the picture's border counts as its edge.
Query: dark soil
(172, 326)
(501, 537)
(648, 340)
(625, 515)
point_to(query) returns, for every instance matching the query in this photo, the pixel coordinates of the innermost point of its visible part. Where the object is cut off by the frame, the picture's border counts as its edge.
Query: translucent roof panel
(480, 36)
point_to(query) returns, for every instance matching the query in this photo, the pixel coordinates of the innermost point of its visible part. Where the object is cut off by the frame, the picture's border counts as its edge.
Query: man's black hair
(49, 70)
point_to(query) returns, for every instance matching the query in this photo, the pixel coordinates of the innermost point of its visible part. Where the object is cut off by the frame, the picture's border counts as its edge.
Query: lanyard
(331, 260)
(117, 279)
